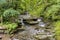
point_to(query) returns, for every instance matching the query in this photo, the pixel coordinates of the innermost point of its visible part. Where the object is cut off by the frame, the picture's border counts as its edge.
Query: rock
(26, 16)
(42, 24)
(0, 37)
(44, 37)
(41, 36)
(39, 20)
(8, 39)
(32, 22)
(15, 39)
(2, 28)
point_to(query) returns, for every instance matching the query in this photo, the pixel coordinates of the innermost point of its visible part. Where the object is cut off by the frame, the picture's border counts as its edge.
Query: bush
(10, 15)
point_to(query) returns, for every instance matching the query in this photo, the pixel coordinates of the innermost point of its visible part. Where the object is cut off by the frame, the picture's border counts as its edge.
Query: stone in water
(41, 24)
(39, 20)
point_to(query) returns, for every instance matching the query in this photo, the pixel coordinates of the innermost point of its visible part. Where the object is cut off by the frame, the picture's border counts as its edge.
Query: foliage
(52, 12)
(10, 13)
(7, 11)
(41, 7)
(57, 29)
(4, 5)
(10, 27)
(34, 7)
(37, 7)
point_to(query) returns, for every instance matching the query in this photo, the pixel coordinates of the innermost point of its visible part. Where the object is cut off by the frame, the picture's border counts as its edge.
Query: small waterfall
(36, 30)
(22, 22)
(41, 23)
(39, 19)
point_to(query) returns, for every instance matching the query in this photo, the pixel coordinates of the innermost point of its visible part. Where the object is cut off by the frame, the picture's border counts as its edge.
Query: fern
(52, 12)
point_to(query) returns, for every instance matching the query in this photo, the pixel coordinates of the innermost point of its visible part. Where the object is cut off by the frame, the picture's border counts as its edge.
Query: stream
(38, 31)
(35, 32)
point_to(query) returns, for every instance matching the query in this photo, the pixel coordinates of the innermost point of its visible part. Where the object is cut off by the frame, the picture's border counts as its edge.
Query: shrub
(10, 15)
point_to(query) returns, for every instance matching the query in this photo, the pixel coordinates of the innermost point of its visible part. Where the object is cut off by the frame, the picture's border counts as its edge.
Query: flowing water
(36, 32)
